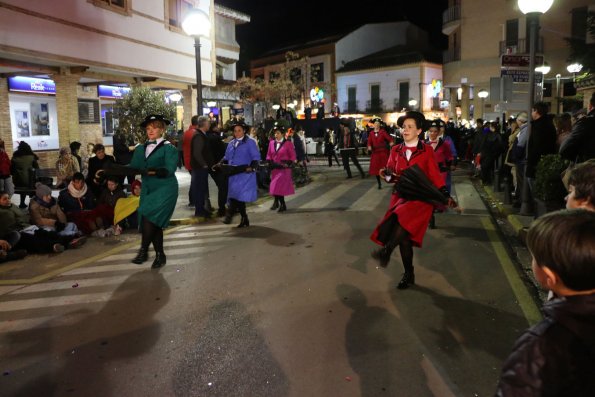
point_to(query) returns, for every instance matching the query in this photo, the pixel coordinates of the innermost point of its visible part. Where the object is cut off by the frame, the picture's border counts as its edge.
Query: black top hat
(279, 127)
(440, 122)
(434, 124)
(241, 123)
(419, 118)
(345, 121)
(154, 117)
(376, 120)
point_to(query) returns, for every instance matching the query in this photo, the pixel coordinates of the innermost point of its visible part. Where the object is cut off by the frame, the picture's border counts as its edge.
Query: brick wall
(5, 127)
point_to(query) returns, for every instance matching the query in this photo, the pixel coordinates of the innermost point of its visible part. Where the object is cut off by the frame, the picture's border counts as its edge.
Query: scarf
(77, 193)
(44, 203)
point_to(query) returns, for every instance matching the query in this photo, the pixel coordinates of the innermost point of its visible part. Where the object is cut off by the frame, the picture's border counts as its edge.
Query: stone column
(189, 96)
(465, 102)
(5, 125)
(67, 106)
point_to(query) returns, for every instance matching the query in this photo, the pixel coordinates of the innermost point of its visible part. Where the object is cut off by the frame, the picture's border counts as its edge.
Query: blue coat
(242, 187)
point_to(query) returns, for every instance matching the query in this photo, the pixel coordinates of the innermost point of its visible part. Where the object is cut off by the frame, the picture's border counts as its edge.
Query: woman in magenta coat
(281, 154)
(406, 221)
(379, 143)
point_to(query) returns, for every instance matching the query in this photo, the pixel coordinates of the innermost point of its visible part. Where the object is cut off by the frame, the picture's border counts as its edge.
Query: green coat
(158, 196)
(12, 219)
(20, 169)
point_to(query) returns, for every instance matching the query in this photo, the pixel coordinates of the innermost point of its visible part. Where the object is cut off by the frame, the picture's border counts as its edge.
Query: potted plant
(548, 189)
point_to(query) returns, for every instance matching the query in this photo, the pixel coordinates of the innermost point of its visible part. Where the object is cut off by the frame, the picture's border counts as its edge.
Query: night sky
(275, 23)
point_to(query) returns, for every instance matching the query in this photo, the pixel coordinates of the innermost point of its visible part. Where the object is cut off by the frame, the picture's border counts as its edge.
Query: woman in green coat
(157, 160)
(23, 161)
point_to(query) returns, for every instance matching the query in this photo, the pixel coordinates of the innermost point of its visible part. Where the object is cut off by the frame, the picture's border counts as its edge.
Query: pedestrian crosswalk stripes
(371, 199)
(328, 196)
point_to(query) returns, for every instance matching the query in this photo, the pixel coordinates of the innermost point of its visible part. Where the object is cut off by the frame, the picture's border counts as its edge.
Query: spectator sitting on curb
(581, 186)
(46, 213)
(107, 202)
(6, 253)
(15, 228)
(555, 357)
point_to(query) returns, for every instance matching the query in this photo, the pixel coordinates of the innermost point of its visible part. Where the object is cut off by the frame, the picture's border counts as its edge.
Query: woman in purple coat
(243, 154)
(281, 154)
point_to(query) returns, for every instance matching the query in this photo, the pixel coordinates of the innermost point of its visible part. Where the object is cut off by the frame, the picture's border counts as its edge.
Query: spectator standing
(217, 148)
(542, 140)
(201, 160)
(187, 147)
(24, 162)
(580, 144)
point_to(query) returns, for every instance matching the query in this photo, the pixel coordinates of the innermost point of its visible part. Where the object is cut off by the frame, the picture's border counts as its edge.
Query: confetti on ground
(348, 378)
(75, 285)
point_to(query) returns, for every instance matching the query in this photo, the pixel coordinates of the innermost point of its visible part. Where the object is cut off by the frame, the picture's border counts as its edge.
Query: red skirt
(414, 216)
(378, 161)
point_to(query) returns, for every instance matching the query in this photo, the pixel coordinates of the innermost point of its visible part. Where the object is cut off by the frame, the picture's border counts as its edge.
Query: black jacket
(557, 356)
(216, 145)
(542, 141)
(200, 154)
(580, 144)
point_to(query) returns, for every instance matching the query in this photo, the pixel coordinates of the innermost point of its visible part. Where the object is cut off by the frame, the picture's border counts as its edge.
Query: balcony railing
(351, 107)
(521, 46)
(375, 105)
(399, 105)
(451, 14)
(451, 55)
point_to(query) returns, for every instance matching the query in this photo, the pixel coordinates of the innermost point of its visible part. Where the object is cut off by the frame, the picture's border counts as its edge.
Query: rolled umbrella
(413, 184)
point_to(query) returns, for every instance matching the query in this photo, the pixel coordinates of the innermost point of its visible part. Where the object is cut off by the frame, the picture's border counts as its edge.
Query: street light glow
(175, 97)
(211, 104)
(276, 107)
(483, 94)
(412, 102)
(543, 69)
(534, 6)
(196, 23)
(574, 68)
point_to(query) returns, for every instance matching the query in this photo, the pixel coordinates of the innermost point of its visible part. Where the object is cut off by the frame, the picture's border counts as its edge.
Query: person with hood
(242, 156)
(281, 155)
(556, 356)
(23, 161)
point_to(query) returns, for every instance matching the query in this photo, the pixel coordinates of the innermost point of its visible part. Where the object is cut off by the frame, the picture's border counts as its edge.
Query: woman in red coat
(405, 222)
(379, 143)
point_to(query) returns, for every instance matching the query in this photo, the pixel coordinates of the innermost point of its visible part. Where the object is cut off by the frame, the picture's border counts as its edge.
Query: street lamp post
(574, 68)
(532, 9)
(543, 69)
(196, 24)
(483, 94)
(412, 104)
(558, 77)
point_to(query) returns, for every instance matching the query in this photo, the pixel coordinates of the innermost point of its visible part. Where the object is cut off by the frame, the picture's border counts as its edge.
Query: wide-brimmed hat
(376, 120)
(241, 123)
(279, 127)
(154, 117)
(434, 124)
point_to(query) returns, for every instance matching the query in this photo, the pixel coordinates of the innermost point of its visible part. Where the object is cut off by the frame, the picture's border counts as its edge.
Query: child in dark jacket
(556, 357)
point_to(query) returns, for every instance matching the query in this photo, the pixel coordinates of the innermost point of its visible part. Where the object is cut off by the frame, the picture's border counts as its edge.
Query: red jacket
(413, 216)
(187, 146)
(4, 164)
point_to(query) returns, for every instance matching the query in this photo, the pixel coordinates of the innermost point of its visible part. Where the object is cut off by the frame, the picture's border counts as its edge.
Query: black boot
(141, 257)
(282, 208)
(382, 255)
(407, 280)
(275, 204)
(231, 211)
(433, 222)
(159, 261)
(244, 222)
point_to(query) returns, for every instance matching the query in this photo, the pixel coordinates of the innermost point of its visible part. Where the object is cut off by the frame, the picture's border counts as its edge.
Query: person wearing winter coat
(379, 143)
(580, 144)
(281, 155)
(23, 162)
(46, 214)
(242, 153)
(556, 357)
(66, 166)
(5, 177)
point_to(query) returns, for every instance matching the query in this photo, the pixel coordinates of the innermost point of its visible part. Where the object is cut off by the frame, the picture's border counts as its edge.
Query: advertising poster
(21, 118)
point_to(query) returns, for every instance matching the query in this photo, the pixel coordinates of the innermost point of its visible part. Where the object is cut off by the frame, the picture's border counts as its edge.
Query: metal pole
(198, 76)
(527, 203)
(558, 93)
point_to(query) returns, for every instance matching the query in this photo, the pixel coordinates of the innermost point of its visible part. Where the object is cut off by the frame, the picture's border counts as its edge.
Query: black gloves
(444, 191)
(59, 226)
(158, 172)
(254, 164)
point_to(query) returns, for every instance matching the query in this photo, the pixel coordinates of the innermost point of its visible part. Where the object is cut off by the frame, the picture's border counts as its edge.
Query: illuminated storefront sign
(32, 85)
(109, 91)
(435, 88)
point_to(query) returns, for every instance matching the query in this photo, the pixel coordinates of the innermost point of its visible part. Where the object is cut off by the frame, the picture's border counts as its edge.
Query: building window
(403, 94)
(375, 98)
(295, 75)
(274, 76)
(176, 11)
(512, 32)
(351, 100)
(220, 71)
(569, 89)
(120, 6)
(88, 111)
(547, 90)
(259, 77)
(316, 72)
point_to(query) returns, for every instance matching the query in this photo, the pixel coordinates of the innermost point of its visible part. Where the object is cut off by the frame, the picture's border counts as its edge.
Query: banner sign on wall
(31, 84)
(110, 91)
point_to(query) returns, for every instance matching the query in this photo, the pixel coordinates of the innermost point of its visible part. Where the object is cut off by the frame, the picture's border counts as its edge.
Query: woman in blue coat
(242, 153)
(157, 161)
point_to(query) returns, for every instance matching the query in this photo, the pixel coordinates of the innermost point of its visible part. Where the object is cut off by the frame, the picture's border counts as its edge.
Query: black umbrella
(233, 169)
(413, 184)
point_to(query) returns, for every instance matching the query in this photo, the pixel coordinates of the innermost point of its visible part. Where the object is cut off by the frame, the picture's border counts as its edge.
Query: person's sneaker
(77, 242)
(117, 230)
(57, 248)
(98, 233)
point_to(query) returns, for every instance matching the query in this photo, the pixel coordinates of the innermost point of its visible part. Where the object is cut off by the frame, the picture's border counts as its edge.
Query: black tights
(378, 180)
(401, 238)
(151, 233)
(280, 199)
(237, 206)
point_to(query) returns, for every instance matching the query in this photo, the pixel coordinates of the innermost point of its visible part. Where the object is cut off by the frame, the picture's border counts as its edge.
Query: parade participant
(453, 150)
(406, 221)
(379, 143)
(157, 160)
(281, 154)
(555, 356)
(348, 148)
(329, 147)
(442, 152)
(201, 160)
(241, 153)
